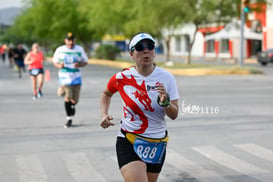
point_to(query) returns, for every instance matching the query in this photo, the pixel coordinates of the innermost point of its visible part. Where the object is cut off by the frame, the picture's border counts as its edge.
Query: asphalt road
(223, 133)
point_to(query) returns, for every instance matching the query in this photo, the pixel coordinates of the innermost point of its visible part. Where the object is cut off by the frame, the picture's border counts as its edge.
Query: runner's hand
(77, 65)
(106, 121)
(162, 92)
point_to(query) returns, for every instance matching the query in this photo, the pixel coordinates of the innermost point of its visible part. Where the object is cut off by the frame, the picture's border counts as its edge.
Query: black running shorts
(36, 71)
(126, 154)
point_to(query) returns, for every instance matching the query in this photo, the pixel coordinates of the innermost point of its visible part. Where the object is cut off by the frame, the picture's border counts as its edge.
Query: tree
(130, 17)
(153, 16)
(201, 12)
(47, 21)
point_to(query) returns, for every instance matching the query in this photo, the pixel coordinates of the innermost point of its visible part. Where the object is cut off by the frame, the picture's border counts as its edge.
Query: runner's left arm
(172, 109)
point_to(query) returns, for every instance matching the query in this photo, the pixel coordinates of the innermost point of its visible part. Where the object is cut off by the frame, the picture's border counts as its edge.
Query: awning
(233, 31)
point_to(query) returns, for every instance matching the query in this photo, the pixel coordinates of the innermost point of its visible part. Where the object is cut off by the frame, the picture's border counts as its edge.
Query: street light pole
(241, 58)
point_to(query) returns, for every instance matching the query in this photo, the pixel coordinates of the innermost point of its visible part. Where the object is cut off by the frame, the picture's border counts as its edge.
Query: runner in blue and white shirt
(68, 58)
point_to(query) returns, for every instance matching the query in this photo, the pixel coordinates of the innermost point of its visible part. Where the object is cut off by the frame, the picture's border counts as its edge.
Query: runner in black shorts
(35, 60)
(148, 93)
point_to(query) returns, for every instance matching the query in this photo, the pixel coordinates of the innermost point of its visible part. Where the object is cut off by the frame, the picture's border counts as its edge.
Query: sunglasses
(141, 47)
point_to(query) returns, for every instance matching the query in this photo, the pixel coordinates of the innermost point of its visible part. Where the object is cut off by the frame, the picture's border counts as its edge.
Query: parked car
(265, 57)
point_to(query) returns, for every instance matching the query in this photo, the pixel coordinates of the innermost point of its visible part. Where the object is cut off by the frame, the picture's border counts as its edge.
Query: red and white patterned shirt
(141, 112)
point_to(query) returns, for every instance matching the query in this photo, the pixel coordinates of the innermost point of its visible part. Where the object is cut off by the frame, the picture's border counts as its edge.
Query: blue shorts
(20, 63)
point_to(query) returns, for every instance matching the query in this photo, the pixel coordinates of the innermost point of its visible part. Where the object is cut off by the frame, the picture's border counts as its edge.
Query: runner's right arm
(104, 107)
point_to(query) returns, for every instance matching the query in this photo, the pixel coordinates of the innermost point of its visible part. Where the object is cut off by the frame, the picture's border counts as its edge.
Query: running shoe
(40, 94)
(68, 123)
(34, 97)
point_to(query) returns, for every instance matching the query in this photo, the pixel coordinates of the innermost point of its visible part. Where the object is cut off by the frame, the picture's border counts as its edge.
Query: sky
(10, 3)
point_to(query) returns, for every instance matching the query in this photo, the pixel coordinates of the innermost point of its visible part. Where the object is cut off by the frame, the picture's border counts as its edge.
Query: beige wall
(269, 38)
(269, 26)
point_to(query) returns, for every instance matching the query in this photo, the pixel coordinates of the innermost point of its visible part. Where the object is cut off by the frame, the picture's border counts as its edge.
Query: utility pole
(244, 9)
(241, 58)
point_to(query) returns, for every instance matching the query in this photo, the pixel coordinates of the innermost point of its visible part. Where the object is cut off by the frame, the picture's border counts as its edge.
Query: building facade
(258, 24)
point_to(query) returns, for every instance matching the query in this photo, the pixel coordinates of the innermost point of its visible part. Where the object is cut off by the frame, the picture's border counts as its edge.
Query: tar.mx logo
(197, 109)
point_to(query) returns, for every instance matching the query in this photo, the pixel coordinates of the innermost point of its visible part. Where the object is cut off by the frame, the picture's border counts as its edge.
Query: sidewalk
(195, 60)
(187, 71)
(235, 70)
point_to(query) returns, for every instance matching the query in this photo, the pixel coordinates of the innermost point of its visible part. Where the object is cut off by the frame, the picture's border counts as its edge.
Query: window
(224, 46)
(210, 46)
(178, 44)
(256, 26)
(182, 43)
(186, 43)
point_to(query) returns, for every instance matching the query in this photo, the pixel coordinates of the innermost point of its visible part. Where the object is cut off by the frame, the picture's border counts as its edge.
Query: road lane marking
(81, 169)
(230, 161)
(257, 150)
(30, 168)
(194, 170)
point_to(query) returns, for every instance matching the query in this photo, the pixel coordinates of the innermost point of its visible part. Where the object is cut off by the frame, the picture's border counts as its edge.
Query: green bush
(107, 52)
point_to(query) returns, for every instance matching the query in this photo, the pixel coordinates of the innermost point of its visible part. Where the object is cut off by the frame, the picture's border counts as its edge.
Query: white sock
(69, 117)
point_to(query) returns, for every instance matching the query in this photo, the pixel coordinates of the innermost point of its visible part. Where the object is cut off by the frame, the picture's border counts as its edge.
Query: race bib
(150, 152)
(70, 60)
(34, 72)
